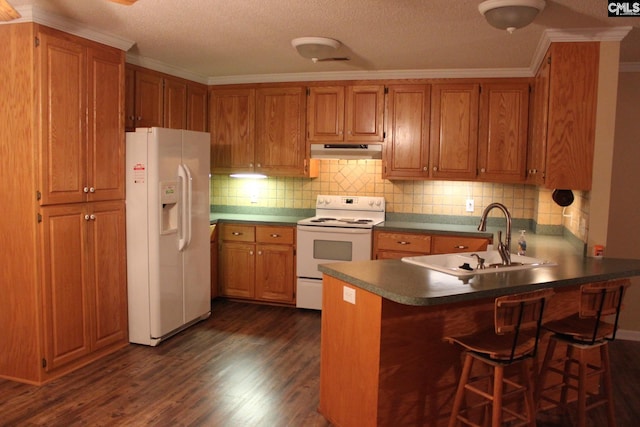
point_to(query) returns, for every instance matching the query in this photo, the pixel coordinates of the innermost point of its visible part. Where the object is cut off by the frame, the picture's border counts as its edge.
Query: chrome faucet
(503, 248)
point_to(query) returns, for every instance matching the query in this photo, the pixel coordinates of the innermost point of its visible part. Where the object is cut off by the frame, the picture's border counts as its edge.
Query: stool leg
(582, 388)
(496, 414)
(569, 356)
(527, 381)
(464, 378)
(607, 384)
(543, 369)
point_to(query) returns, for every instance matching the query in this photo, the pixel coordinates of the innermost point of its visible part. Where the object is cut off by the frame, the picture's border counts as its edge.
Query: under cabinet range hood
(346, 151)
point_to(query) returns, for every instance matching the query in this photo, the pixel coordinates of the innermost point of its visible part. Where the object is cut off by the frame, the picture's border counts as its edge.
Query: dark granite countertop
(414, 285)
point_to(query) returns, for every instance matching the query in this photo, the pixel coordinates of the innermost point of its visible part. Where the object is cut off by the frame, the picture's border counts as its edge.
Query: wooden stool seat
(585, 334)
(513, 341)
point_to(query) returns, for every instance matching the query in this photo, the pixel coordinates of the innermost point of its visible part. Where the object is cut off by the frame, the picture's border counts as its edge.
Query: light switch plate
(349, 294)
(469, 205)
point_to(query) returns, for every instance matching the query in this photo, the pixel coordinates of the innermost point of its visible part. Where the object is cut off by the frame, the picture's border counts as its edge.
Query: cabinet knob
(250, 252)
(402, 242)
(92, 190)
(236, 233)
(86, 217)
(250, 165)
(139, 118)
(482, 170)
(275, 236)
(425, 168)
(259, 252)
(259, 165)
(92, 217)
(132, 118)
(435, 169)
(461, 247)
(85, 189)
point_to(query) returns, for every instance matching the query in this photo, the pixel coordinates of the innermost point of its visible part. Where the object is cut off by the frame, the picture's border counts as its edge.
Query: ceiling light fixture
(510, 14)
(315, 48)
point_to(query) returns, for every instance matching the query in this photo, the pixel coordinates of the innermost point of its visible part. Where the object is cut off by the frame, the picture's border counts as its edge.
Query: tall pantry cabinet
(63, 281)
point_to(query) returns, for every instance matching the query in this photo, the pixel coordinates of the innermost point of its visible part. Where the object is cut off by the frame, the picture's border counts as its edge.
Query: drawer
(282, 235)
(453, 244)
(238, 233)
(404, 242)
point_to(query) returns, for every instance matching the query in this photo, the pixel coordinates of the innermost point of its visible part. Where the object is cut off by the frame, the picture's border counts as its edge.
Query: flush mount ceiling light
(317, 48)
(510, 14)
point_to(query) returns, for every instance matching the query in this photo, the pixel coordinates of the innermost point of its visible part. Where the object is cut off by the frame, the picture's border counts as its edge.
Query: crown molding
(37, 15)
(163, 67)
(554, 35)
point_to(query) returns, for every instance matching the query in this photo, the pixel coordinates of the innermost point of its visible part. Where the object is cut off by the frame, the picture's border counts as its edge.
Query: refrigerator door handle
(185, 209)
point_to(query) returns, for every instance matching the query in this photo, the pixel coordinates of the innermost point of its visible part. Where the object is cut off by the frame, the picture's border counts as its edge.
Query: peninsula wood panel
(407, 147)
(385, 363)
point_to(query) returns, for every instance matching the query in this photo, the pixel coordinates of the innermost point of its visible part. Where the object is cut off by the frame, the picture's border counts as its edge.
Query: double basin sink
(466, 263)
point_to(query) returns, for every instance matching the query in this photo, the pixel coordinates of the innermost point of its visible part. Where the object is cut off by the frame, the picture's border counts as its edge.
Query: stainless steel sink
(466, 264)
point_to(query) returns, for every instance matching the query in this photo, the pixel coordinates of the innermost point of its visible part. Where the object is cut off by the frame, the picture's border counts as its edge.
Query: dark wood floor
(248, 365)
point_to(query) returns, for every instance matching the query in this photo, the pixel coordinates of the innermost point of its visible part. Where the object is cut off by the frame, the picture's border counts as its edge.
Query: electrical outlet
(469, 205)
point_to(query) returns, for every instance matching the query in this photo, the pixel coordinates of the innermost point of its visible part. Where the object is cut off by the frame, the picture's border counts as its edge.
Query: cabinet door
(502, 145)
(365, 113)
(407, 147)
(130, 98)
(572, 115)
(175, 104)
(149, 99)
(197, 107)
(237, 269)
(107, 260)
(280, 145)
(105, 169)
(63, 108)
(536, 157)
(275, 273)
(325, 114)
(231, 123)
(66, 294)
(454, 131)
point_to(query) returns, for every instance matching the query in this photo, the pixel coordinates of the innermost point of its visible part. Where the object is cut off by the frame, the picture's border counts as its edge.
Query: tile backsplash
(363, 177)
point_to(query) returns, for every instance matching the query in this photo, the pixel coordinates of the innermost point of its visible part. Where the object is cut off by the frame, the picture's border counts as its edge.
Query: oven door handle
(338, 230)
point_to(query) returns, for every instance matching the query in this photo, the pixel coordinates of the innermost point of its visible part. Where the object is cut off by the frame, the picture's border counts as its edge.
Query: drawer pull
(461, 247)
(402, 242)
(274, 235)
(236, 233)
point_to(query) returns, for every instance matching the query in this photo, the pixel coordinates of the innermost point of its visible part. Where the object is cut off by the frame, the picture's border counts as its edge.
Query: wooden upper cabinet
(325, 114)
(175, 104)
(344, 114)
(197, 118)
(573, 85)
(502, 145)
(149, 99)
(129, 98)
(280, 119)
(406, 153)
(231, 123)
(454, 130)
(365, 113)
(82, 148)
(537, 147)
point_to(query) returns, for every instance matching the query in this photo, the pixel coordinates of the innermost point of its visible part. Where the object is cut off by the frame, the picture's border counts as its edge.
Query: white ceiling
(220, 41)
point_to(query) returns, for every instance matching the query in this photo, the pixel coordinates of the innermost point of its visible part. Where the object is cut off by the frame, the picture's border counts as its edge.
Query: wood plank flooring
(248, 365)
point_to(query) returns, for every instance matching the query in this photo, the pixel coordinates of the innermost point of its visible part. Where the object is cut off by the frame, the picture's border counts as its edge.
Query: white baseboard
(625, 334)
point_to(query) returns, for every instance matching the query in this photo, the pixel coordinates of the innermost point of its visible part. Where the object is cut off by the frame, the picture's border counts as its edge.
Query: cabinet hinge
(36, 42)
(548, 60)
(39, 216)
(295, 252)
(308, 91)
(386, 90)
(384, 135)
(38, 195)
(44, 362)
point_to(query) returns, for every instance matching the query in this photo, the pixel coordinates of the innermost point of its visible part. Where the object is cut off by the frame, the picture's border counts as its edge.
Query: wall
(623, 225)
(363, 177)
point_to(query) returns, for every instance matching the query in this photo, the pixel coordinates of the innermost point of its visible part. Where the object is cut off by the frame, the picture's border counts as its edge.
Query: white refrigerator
(168, 247)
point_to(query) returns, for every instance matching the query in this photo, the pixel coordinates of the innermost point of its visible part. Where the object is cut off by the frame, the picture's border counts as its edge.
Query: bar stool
(583, 332)
(512, 341)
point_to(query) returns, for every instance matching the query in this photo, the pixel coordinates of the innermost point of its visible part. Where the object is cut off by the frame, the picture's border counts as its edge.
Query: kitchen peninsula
(383, 359)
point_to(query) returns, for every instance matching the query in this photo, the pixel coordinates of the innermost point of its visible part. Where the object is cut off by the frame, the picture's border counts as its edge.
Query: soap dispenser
(522, 243)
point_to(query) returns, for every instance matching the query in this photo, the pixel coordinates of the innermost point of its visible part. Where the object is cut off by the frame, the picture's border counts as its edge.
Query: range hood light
(248, 176)
(346, 151)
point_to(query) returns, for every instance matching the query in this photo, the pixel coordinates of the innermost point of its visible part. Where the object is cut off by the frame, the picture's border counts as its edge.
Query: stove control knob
(371, 203)
(378, 203)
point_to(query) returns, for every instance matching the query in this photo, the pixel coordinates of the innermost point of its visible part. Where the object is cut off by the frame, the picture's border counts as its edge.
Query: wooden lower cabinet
(257, 262)
(84, 289)
(395, 245)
